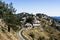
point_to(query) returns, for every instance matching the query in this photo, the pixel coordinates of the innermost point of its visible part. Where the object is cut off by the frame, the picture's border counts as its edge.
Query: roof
(36, 22)
(28, 24)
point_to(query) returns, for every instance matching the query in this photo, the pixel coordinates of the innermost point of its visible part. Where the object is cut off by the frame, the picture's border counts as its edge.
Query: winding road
(19, 34)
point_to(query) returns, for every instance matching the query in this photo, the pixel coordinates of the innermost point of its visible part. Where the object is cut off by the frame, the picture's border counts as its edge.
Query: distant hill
(57, 17)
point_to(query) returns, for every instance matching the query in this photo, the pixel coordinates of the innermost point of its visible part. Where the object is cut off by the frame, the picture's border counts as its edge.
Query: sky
(48, 7)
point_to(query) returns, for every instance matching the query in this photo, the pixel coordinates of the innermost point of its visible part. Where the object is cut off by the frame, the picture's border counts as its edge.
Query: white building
(28, 25)
(45, 17)
(36, 22)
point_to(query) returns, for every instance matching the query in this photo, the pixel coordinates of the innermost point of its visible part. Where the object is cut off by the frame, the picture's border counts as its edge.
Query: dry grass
(12, 35)
(8, 35)
(36, 31)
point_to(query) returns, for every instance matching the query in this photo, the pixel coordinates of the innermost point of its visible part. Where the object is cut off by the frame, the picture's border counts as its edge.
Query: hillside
(4, 34)
(8, 27)
(26, 26)
(39, 27)
(58, 18)
(42, 27)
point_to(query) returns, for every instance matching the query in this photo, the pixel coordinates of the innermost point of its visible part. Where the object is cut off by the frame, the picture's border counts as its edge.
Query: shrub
(32, 35)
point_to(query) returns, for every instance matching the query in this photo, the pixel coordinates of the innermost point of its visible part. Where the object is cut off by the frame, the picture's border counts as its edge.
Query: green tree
(30, 20)
(7, 13)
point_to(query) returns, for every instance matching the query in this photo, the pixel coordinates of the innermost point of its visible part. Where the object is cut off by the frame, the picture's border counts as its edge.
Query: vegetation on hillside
(7, 14)
(48, 29)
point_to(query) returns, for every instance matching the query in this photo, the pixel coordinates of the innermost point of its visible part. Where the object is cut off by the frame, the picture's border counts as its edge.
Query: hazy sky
(49, 7)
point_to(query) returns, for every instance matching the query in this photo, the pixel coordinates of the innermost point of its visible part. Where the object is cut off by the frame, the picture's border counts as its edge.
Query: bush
(30, 20)
(14, 27)
(32, 35)
(3, 30)
(41, 38)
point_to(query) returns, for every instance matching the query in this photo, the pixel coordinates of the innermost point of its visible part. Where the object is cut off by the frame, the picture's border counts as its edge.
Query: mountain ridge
(56, 17)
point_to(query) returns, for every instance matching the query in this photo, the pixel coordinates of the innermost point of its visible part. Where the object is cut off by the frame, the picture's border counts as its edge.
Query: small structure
(44, 17)
(36, 22)
(24, 19)
(28, 25)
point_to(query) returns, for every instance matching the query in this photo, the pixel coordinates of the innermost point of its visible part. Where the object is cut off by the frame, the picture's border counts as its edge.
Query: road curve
(19, 34)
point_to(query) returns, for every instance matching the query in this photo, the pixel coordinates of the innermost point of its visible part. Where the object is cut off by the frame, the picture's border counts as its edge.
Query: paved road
(19, 33)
